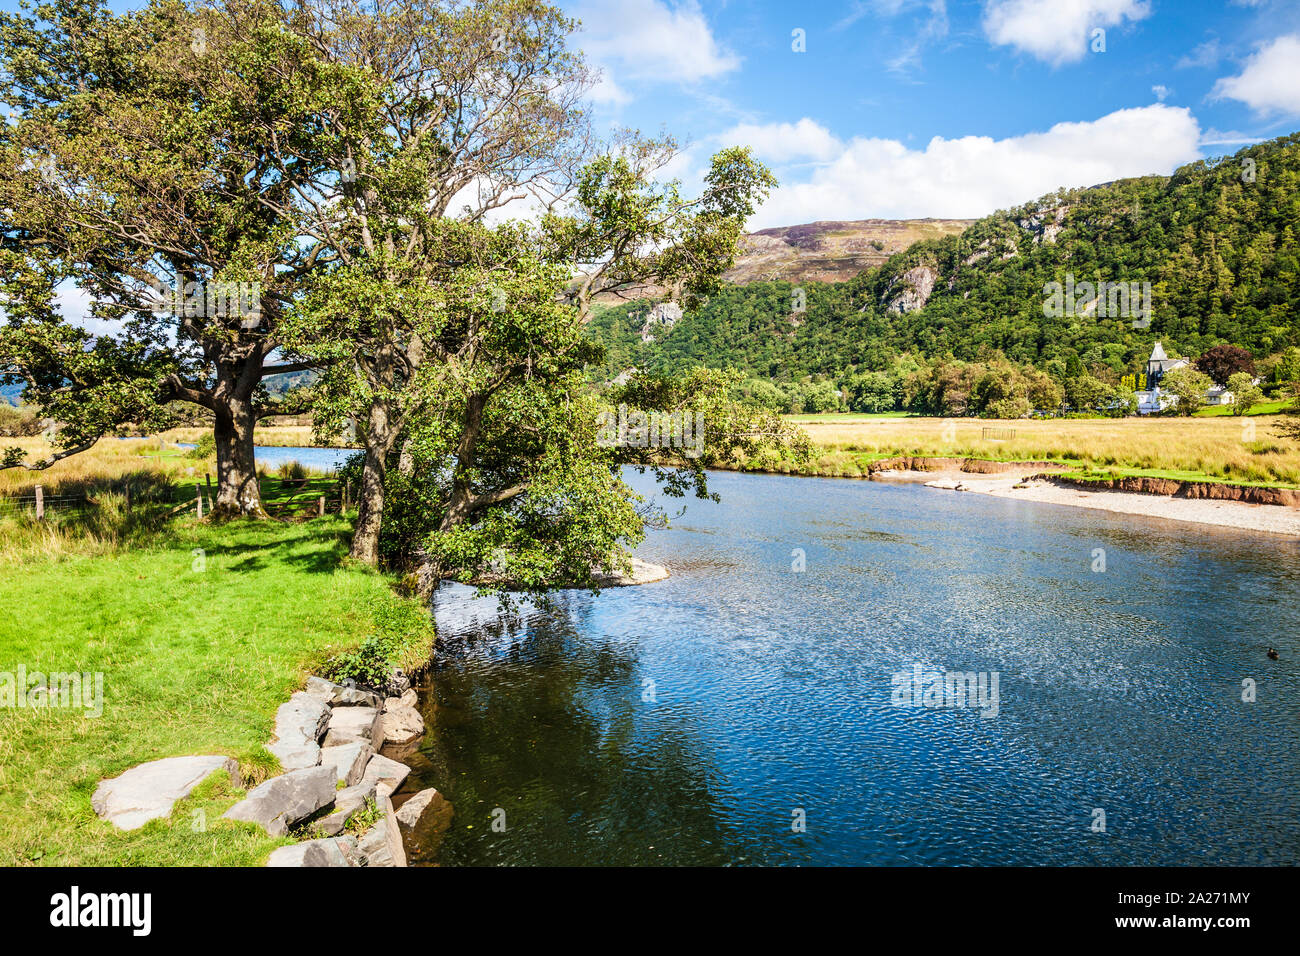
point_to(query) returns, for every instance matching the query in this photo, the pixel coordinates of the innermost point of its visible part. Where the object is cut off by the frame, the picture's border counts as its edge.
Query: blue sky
(945, 108)
(932, 108)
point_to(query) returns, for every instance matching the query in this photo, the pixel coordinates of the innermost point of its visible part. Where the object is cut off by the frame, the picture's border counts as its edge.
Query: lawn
(200, 632)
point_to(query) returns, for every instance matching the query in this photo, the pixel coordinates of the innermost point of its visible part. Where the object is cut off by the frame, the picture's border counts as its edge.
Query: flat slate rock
(401, 724)
(282, 801)
(149, 791)
(348, 760)
(340, 695)
(386, 774)
(299, 723)
(332, 851)
(351, 724)
(347, 803)
(409, 813)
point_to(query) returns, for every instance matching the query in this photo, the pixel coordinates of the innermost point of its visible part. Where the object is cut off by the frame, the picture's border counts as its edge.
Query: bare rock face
(349, 725)
(407, 699)
(333, 851)
(282, 801)
(149, 791)
(917, 286)
(401, 723)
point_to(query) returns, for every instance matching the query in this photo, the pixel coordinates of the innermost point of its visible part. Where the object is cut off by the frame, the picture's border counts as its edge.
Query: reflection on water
(683, 722)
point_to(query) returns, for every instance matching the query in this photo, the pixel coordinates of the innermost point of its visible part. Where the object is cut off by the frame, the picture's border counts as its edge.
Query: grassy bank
(1215, 448)
(200, 632)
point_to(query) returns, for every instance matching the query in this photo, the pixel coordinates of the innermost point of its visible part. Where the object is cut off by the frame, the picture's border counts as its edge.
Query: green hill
(1216, 242)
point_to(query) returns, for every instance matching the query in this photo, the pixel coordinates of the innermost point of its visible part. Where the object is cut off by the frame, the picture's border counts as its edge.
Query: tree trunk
(380, 436)
(238, 494)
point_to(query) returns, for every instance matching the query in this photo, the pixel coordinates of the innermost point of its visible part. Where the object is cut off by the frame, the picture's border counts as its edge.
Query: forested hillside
(1216, 242)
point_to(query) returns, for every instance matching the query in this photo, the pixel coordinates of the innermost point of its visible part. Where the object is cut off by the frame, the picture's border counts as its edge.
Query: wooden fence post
(321, 509)
(40, 503)
(209, 477)
(198, 499)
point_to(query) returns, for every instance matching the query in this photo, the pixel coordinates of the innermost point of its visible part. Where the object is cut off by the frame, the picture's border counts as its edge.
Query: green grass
(196, 657)
(1264, 408)
(849, 416)
(1087, 474)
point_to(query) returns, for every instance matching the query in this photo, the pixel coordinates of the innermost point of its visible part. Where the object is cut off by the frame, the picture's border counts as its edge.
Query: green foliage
(1189, 386)
(402, 636)
(204, 448)
(291, 471)
(1245, 393)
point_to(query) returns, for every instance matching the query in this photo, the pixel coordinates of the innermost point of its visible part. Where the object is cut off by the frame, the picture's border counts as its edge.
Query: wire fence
(311, 497)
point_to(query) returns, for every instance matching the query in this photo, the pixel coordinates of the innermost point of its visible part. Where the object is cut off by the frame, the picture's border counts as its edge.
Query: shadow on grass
(310, 550)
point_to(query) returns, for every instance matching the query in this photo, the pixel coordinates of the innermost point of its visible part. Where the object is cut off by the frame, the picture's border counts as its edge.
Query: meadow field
(1249, 450)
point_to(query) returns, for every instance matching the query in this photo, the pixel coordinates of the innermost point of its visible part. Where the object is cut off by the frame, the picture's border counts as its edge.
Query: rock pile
(326, 737)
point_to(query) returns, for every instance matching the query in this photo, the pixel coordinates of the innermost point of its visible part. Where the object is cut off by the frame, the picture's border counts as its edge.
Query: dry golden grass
(1237, 449)
(110, 459)
(279, 435)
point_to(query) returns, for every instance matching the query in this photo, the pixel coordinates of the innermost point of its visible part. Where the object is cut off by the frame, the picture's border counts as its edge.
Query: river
(744, 712)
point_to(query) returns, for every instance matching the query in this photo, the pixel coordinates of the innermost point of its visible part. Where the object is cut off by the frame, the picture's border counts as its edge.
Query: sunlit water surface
(693, 721)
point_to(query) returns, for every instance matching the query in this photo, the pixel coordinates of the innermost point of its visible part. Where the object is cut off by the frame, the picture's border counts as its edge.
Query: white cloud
(1203, 56)
(1161, 91)
(785, 142)
(975, 175)
(1056, 32)
(653, 40)
(1270, 81)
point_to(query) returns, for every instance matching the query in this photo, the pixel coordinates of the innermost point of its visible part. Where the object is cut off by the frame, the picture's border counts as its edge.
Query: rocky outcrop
(382, 843)
(304, 794)
(410, 812)
(340, 695)
(914, 288)
(660, 317)
(283, 801)
(347, 803)
(385, 774)
(150, 790)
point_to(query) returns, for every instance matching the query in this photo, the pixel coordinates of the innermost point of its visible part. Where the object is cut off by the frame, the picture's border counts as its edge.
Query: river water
(743, 712)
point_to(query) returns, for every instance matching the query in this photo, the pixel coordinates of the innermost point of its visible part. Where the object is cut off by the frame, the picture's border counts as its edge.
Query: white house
(1151, 399)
